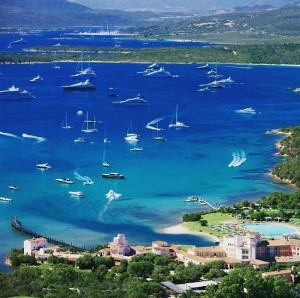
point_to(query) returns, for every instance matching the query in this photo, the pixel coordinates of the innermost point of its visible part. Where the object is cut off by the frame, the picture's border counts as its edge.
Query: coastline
(181, 229)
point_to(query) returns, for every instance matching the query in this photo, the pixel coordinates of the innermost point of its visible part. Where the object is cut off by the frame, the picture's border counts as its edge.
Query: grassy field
(212, 219)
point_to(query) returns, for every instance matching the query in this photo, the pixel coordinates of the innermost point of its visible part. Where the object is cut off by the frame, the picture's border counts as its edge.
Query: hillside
(280, 23)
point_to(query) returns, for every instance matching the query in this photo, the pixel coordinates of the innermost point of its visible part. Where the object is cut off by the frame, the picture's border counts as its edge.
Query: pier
(18, 226)
(200, 201)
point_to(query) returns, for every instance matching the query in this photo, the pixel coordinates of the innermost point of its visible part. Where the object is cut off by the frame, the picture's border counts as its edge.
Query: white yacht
(136, 149)
(5, 199)
(86, 128)
(160, 73)
(64, 180)
(149, 69)
(79, 194)
(203, 67)
(43, 166)
(13, 187)
(246, 111)
(135, 101)
(37, 79)
(104, 162)
(130, 136)
(177, 124)
(87, 73)
(81, 86)
(15, 93)
(81, 140)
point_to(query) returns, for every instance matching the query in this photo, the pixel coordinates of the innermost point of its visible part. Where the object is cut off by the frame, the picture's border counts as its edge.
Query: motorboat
(228, 80)
(81, 140)
(136, 149)
(160, 73)
(246, 111)
(297, 90)
(19, 41)
(15, 93)
(88, 182)
(43, 166)
(5, 199)
(113, 176)
(177, 124)
(37, 79)
(81, 86)
(135, 101)
(192, 199)
(213, 73)
(149, 69)
(111, 195)
(130, 136)
(64, 180)
(79, 194)
(203, 67)
(13, 187)
(159, 138)
(216, 85)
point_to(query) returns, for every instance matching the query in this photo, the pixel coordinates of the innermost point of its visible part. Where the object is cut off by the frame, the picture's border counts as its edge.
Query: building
(209, 252)
(34, 244)
(119, 246)
(161, 248)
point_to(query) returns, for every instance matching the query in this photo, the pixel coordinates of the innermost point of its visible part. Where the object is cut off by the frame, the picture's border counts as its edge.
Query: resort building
(161, 248)
(288, 274)
(207, 252)
(242, 247)
(34, 244)
(119, 246)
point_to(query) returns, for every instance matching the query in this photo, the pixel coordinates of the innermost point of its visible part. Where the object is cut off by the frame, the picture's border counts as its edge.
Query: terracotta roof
(276, 273)
(207, 249)
(283, 242)
(160, 243)
(37, 240)
(291, 259)
(258, 262)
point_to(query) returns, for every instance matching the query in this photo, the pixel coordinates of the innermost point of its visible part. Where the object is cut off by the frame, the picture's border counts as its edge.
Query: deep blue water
(193, 161)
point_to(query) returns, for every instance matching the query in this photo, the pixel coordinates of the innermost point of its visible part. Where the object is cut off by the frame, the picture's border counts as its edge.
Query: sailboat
(177, 124)
(156, 136)
(105, 139)
(83, 73)
(130, 136)
(65, 123)
(54, 66)
(86, 125)
(104, 163)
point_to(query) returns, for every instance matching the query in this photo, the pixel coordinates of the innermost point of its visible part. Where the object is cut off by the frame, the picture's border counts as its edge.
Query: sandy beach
(181, 229)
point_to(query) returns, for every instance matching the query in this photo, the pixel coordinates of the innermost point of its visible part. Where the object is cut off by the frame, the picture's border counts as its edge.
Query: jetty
(16, 223)
(200, 201)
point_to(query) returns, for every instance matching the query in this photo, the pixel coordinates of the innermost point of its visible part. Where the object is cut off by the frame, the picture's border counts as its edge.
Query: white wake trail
(7, 134)
(39, 139)
(149, 125)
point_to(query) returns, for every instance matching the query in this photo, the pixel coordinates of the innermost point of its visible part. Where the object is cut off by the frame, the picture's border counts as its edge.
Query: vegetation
(289, 169)
(269, 53)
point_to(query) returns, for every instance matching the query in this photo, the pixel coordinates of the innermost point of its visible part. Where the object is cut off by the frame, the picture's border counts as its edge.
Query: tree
(141, 269)
(85, 262)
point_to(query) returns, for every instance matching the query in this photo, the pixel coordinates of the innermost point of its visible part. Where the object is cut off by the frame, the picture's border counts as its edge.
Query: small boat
(213, 73)
(65, 124)
(177, 124)
(81, 86)
(5, 199)
(15, 93)
(13, 187)
(104, 163)
(205, 89)
(19, 41)
(203, 67)
(192, 199)
(228, 80)
(216, 85)
(54, 65)
(43, 166)
(37, 79)
(158, 137)
(149, 69)
(81, 140)
(79, 194)
(136, 149)
(87, 73)
(86, 123)
(246, 111)
(130, 136)
(64, 180)
(111, 195)
(113, 176)
(135, 101)
(297, 90)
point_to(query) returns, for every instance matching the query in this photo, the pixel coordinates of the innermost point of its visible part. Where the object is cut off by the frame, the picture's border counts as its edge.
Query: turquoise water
(193, 161)
(271, 229)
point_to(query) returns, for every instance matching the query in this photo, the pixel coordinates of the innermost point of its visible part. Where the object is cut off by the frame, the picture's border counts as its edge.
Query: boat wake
(85, 179)
(238, 159)
(7, 134)
(111, 195)
(155, 121)
(39, 139)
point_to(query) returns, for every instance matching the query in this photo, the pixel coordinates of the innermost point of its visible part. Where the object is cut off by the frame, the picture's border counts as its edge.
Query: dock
(16, 223)
(200, 201)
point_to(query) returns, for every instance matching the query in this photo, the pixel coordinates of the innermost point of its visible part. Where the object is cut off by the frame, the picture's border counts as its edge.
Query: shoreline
(181, 229)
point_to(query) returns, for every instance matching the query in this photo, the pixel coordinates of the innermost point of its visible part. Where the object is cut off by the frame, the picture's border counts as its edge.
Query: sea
(223, 156)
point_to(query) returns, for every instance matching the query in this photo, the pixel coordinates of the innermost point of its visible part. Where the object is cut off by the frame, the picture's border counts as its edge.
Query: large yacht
(135, 101)
(79, 194)
(64, 180)
(43, 166)
(113, 176)
(160, 73)
(87, 73)
(15, 93)
(81, 86)
(37, 79)
(5, 199)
